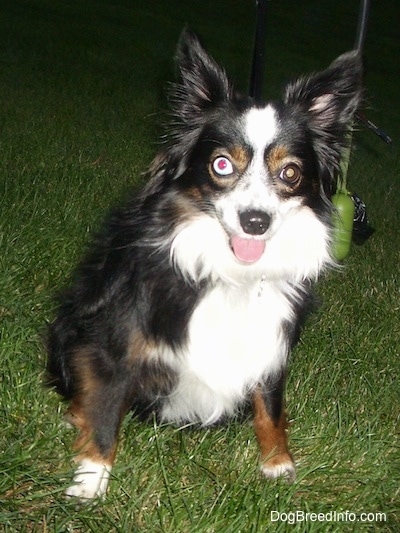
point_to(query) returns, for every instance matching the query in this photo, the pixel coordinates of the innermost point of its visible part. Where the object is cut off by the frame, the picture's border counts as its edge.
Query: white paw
(285, 470)
(90, 480)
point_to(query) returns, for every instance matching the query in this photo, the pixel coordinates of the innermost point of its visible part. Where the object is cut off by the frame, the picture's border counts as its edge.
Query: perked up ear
(332, 96)
(329, 100)
(201, 84)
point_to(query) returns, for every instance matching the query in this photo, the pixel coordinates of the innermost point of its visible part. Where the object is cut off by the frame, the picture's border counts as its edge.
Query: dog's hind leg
(270, 427)
(96, 411)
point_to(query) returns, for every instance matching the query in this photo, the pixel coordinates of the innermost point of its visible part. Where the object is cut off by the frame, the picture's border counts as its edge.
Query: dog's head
(262, 174)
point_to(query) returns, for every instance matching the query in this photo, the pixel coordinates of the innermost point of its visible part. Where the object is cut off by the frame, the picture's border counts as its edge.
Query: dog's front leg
(270, 428)
(95, 447)
(97, 413)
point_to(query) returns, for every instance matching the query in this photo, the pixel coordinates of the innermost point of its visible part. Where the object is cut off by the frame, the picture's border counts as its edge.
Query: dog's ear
(328, 100)
(202, 83)
(332, 96)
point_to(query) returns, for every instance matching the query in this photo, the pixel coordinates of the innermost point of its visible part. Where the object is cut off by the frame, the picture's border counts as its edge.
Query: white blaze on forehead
(261, 126)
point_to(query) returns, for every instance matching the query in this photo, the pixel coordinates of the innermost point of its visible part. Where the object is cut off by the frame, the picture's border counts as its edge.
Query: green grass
(81, 91)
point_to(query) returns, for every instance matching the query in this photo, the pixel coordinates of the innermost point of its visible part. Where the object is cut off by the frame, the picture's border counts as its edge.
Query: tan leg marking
(276, 460)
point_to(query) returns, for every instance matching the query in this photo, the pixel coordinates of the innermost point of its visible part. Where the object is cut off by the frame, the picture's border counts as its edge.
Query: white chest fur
(235, 338)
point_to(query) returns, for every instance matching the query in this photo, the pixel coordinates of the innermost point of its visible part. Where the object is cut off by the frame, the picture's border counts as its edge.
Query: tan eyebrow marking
(241, 158)
(276, 157)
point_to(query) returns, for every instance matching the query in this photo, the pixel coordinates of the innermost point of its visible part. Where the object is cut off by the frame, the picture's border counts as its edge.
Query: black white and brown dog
(192, 296)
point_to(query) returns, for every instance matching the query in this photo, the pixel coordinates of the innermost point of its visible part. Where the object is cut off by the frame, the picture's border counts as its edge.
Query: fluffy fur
(193, 294)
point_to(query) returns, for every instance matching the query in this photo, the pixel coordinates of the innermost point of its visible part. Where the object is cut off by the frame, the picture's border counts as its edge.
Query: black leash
(257, 67)
(363, 16)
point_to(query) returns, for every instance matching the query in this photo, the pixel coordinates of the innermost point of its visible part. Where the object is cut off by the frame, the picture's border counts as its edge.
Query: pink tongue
(247, 250)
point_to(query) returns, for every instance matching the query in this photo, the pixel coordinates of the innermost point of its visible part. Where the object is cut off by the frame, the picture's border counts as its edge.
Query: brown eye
(290, 174)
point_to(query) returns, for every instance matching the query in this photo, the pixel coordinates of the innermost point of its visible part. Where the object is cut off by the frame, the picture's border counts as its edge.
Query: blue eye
(222, 166)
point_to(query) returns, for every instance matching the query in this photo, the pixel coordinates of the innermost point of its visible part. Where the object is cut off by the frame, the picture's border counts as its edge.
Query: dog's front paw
(279, 466)
(90, 481)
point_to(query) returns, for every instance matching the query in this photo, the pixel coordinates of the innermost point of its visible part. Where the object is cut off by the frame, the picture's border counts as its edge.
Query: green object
(343, 216)
(343, 219)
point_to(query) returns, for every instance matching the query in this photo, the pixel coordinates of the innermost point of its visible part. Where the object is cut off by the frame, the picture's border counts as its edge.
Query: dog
(194, 292)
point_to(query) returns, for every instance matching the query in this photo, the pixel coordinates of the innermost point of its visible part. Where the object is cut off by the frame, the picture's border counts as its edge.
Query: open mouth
(247, 250)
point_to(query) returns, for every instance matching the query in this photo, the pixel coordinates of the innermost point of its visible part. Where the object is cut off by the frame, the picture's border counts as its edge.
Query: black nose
(254, 222)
